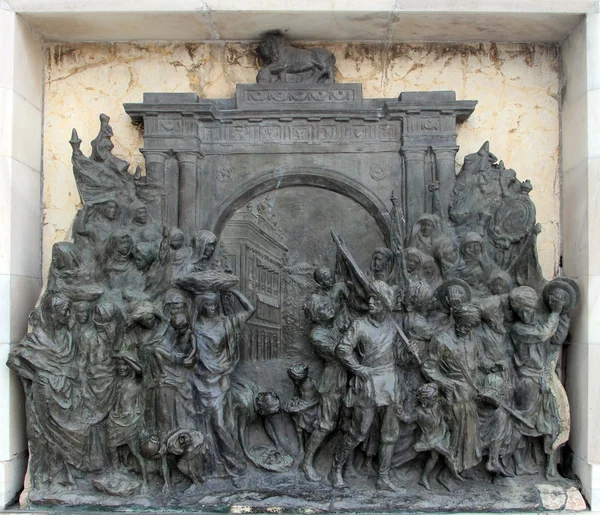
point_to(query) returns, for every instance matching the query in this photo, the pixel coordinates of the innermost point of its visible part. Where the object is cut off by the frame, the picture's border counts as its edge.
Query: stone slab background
(516, 86)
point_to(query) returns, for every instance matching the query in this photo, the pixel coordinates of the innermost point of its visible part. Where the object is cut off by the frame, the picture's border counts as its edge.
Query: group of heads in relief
(449, 346)
(442, 357)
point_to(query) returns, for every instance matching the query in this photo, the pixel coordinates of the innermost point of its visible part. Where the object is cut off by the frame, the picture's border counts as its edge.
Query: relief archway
(273, 230)
(205, 150)
(285, 177)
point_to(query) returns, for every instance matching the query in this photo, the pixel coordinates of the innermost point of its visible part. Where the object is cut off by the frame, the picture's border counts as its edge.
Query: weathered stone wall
(516, 86)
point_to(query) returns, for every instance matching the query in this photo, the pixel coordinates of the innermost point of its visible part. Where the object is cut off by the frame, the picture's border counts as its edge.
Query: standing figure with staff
(369, 350)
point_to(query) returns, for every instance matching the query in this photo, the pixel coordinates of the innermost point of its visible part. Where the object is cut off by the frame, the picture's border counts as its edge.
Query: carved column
(414, 168)
(188, 178)
(156, 172)
(446, 172)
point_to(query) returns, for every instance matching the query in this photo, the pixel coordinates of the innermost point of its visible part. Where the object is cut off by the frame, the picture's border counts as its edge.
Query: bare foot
(192, 489)
(336, 478)
(309, 472)
(385, 483)
(424, 482)
(144, 491)
(522, 470)
(552, 474)
(446, 482)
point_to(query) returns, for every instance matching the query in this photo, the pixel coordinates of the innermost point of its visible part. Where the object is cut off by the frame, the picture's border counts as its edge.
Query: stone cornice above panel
(498, 6)
(295, 117)
(349, 20)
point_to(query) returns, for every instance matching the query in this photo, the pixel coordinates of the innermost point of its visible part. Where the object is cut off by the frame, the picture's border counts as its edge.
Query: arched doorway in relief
(273, 234)
(310, 176)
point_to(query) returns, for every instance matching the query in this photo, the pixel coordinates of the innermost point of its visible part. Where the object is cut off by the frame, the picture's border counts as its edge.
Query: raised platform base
(531, 494)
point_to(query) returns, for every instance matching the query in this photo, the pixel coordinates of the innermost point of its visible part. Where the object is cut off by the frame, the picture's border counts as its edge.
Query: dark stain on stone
(238, 54)
(61, 53)
(494, 56)
(191, 50)
(361, 52)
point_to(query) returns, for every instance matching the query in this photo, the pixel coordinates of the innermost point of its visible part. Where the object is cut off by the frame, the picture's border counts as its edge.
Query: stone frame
(272, 137)
(580, 189)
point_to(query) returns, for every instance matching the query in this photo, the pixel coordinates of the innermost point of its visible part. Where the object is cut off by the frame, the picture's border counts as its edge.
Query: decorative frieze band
(267, 96)
(310, 132)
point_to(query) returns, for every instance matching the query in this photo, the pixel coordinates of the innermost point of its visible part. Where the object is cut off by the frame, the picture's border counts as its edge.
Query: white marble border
(21, 58)
(580, 152)
(351, 20)
(575, 23)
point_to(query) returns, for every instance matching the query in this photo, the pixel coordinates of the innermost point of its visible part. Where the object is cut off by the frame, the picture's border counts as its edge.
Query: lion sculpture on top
(283, 62)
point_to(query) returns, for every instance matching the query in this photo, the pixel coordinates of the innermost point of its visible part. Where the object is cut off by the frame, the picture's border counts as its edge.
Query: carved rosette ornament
(224, 174)
(377, 172)
(162, 371)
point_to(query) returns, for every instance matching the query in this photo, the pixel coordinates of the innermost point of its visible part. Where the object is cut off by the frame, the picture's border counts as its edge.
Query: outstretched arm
(248, 307)
(560, 336)
(434, 188)
(190, 360)
(405, 417)
(137, 369)
(163, 249)
(535, 333)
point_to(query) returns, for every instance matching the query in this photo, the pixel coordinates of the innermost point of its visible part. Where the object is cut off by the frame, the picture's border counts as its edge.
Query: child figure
(189, 446)
(337, 292)
(125, 421)
(179, 253)
(172, 394)
(435, 436)
(180, 349)
(304, 405)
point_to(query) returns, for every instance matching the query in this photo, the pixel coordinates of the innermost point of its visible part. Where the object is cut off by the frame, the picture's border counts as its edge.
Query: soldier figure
(370, 351)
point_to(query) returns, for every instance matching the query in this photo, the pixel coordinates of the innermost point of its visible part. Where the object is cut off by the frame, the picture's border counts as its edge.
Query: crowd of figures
(446, 347)
(449, 345)
(129, 352)
(459, 368)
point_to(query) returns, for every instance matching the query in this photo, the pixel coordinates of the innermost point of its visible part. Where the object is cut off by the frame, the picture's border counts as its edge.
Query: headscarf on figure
(474, 268)
(203, 245)
(65, 267)
(425, 232)
(414, 258)
(382, 264)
